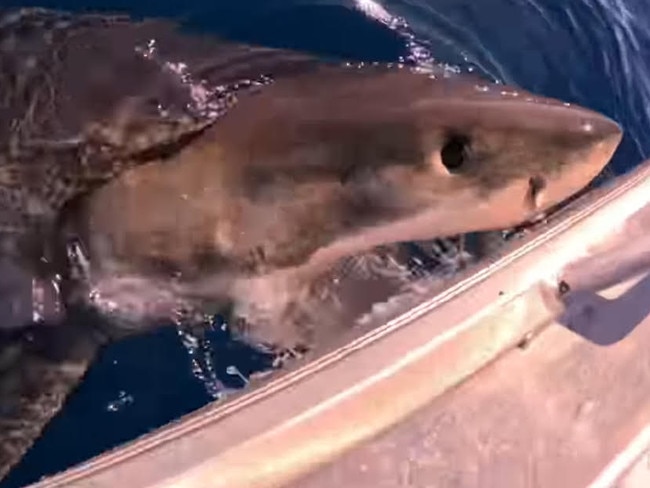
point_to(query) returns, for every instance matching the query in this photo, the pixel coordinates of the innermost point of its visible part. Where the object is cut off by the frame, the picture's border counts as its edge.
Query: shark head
(328, 164)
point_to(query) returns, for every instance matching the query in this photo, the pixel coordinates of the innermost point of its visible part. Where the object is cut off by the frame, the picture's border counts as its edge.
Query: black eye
(454, 153)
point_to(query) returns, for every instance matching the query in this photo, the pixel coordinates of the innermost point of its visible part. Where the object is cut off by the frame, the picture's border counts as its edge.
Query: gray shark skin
(245, 200)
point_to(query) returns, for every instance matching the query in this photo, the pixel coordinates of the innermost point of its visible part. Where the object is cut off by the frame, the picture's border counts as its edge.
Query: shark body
(143, 191)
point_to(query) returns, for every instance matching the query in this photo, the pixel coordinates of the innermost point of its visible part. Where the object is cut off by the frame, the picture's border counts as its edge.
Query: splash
(199, 349)
(209, 102)
(419, 54)
(122, 401)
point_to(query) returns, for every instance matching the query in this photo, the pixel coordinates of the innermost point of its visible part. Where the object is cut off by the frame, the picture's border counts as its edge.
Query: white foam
(418, 52)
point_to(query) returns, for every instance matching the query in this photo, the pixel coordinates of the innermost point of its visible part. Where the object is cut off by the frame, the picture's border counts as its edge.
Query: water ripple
(588, 52)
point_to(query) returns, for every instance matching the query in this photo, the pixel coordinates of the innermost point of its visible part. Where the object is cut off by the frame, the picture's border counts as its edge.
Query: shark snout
(514, 159)
(599, 125)
(582, 122)
(596, 138)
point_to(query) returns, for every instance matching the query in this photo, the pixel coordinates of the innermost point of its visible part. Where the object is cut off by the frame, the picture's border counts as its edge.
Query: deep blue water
(590, 52)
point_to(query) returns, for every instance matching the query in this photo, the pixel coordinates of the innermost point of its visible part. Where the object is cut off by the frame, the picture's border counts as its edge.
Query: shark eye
(454, 153)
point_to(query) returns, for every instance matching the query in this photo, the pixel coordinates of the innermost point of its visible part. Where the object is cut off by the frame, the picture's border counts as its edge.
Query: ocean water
(590, 52)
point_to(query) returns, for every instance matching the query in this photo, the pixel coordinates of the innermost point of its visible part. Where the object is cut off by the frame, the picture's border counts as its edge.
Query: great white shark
(134, 191)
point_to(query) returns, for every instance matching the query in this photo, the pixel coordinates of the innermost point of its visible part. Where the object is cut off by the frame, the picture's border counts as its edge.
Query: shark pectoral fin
(39, 366)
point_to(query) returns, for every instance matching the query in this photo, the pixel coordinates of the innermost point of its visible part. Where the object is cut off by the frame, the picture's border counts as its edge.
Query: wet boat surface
(554, 414)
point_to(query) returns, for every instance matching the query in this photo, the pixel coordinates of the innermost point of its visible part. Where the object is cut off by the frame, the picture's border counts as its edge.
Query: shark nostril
(536, 185)
(454, 153)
